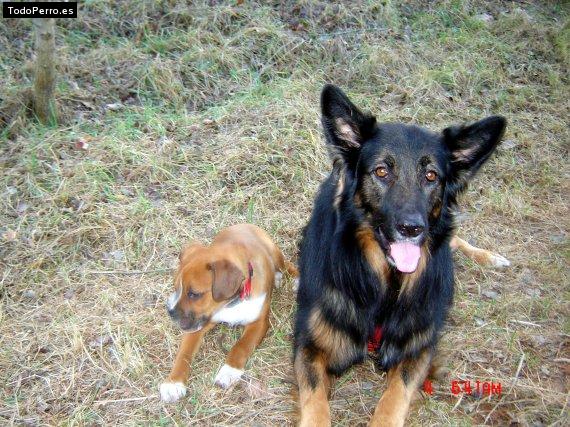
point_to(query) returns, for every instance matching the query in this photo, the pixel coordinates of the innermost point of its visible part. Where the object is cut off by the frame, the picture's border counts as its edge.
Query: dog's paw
(227, 376)
(171, 392)
(499, 261)
(278, 279)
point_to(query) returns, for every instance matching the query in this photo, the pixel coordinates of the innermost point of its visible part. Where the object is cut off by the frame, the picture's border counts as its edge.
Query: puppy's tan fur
(208, 278)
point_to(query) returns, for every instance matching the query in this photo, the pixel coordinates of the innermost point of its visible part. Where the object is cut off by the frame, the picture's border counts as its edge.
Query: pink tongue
(406, 256)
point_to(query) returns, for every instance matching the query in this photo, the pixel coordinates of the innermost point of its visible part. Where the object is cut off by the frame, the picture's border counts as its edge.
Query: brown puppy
(229, 281)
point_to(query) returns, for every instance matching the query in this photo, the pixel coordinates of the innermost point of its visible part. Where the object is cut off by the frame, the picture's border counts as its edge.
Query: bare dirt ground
(176, 121)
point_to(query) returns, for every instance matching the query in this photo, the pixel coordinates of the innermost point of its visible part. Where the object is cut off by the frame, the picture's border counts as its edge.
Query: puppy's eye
(194, 295)
(381, 172)
(431, 176)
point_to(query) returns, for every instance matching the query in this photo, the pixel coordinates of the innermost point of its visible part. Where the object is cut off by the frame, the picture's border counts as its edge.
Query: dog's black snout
(412, 226)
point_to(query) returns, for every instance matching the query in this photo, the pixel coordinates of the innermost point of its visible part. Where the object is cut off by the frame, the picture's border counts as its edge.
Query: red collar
(246, 290)
(375, 340)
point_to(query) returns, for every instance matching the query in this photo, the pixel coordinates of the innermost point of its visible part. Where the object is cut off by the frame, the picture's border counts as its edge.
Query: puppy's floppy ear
(471, 146)
(227, 279)
(188, 250)
(346, 127)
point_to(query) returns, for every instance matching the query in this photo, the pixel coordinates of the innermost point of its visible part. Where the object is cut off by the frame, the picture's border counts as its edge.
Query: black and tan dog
(229, 281)
(376, 270)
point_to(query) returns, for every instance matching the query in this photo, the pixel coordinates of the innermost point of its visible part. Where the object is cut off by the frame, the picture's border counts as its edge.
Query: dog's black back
(376, 249)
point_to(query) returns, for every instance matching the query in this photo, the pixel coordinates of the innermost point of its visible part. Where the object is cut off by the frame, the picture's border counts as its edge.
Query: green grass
(220, 124)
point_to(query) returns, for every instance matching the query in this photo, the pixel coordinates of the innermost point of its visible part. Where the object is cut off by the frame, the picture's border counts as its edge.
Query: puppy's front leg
(252, 336)
(174, 387)
(403, 381)
(480, 256)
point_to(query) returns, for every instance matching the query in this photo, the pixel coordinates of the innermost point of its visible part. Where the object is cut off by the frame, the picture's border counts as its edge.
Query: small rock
(533, 292)
(508, 144)
(479, 321)
(490, 294)
(539, 340)
(69, 294)
(366, 385)
(117, 255)
(116, 106)
(21, 208)
(101, 341)
(29, 294)
(42, 406)
(558, 238)
(485, 17)
(208, 122)
(527, 277)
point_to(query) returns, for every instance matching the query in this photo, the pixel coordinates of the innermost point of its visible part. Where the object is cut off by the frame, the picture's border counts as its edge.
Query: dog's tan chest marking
(373, 253)
(242, 313)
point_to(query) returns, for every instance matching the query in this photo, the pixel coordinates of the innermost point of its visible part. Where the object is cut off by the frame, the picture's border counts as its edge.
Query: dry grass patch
(217, 123)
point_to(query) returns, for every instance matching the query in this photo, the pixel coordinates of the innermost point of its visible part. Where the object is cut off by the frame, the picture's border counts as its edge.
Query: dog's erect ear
(471, 146)
(346, 127)
(188, 250)
(227, 279)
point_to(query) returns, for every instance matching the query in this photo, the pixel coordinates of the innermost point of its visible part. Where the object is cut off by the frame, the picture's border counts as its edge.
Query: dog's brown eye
(194, 295)
(431, 176)
(381, 172)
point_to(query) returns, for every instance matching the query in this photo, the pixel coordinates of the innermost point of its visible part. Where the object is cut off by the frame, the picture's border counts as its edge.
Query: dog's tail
(290, 268)
(283, 265)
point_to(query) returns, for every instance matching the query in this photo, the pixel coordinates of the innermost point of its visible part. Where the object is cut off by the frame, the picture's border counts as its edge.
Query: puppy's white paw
(499, 261)
(295, 285)
(278, 279)
(227, 376)
(171, 392)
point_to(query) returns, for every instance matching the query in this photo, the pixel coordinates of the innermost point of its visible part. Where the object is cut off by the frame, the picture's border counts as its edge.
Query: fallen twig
(130, 399)
(523, 322)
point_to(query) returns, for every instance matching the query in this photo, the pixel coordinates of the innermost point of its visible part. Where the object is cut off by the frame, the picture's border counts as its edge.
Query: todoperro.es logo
(44, 9)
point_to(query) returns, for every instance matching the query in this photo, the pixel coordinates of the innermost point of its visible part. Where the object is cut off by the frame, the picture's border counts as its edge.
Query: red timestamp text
(476, 387)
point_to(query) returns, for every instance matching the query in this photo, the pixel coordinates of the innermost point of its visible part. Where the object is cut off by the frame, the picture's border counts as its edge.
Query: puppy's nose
(411, 226)
(171, 311)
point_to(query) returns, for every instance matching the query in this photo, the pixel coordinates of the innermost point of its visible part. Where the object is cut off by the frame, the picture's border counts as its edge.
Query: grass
(218, 124)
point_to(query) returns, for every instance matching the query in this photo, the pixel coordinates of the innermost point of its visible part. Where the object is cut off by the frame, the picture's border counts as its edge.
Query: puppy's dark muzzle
(187, 322)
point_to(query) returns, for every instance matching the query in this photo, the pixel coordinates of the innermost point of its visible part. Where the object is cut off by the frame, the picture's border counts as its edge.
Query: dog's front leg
(252, 336)
(314, 384)
(403, 381)
(174, 387)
